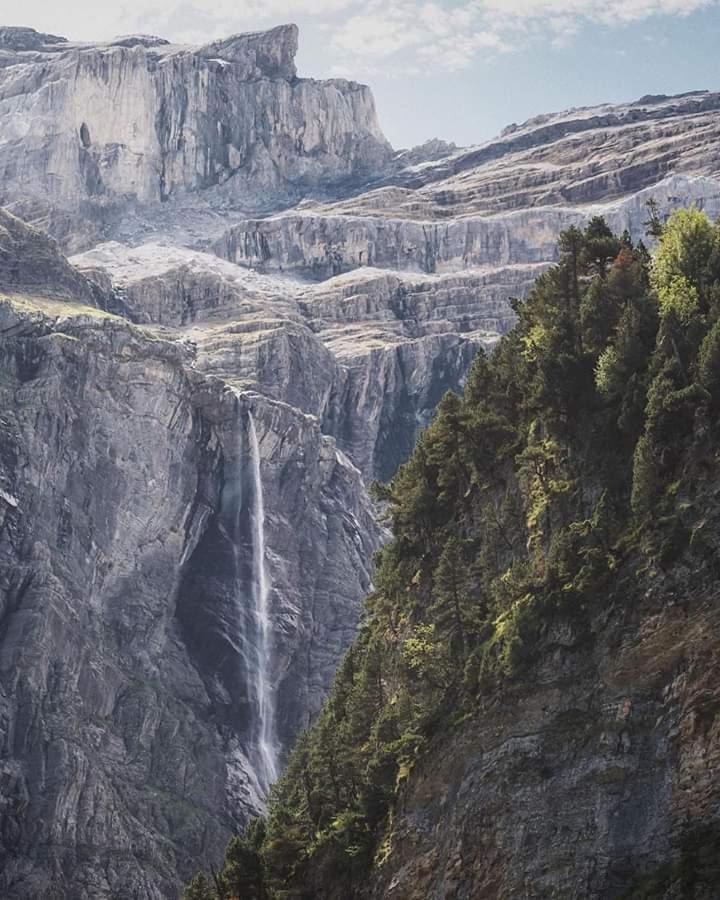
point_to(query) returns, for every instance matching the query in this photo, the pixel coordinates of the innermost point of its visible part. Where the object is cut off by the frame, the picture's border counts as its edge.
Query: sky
(460, 70)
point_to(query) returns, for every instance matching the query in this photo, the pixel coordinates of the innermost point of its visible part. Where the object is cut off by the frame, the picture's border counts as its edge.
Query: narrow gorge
(227, 307)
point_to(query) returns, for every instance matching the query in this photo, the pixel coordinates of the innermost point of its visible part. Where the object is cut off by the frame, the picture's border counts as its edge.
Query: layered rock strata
(140, 121)
(125, 719)
(127, 375)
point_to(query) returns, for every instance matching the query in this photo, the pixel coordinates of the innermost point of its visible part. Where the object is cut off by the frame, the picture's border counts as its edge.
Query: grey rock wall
(368, 353)
(322, 242)
(126, 380)
(141, 122)
(596, 778)
(124, 755)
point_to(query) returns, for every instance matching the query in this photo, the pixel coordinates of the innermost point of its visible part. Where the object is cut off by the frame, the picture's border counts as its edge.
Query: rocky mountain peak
(262, 54)
(130, 125)
(244, 247)
(139, 40)
(20, 38)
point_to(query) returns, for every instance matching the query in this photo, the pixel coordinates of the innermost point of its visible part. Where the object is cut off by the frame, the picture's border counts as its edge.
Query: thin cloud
(391, 36)
(607, 11)
(450, 38)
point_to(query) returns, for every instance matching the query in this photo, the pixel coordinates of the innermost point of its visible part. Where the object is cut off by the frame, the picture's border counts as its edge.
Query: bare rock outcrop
(145, 122)
(594, 778)
(30, 262)
(129, 376)
(322, 242)
(126, 755)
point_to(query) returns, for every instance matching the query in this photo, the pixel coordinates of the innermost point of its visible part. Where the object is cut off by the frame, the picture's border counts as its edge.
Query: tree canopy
(584, 443)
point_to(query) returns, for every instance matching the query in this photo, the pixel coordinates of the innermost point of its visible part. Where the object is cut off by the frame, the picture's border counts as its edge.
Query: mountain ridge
(287, 285)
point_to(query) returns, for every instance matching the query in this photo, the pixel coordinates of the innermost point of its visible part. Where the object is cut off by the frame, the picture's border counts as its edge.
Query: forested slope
(552, 579)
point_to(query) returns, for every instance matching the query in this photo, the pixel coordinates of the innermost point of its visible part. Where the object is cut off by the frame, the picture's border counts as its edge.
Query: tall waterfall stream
(260, 643)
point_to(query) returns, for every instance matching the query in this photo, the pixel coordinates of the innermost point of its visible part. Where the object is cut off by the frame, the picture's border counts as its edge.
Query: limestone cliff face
(369, 353)
(320, 245)
(500, 205)
(128, 376)
(587, 155)
(143, 121)
(125, 714)
(322, 242)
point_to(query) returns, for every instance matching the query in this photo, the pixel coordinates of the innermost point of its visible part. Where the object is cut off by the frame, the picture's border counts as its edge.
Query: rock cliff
(192, 299)
(600, 776)
(124, 708)
(141, 121)
(368, 353)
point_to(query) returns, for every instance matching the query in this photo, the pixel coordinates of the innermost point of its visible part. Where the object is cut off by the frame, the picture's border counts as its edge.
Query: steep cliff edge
(125, 701)
(140, 122)
(531, 707)
(206, 349)
(596, 777)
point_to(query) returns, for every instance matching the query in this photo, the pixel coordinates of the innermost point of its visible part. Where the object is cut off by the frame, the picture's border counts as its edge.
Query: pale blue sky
(458, 70)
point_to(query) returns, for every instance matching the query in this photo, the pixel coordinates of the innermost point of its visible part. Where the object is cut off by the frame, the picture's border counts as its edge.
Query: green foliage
(608, 378)
(576, 450)
(199, 888)
(709, 362)
(685, 265)
(653, 224)
(679, 296)
(244, 870)
(453, 609)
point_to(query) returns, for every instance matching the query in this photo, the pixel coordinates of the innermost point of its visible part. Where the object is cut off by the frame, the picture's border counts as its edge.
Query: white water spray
(264, 694)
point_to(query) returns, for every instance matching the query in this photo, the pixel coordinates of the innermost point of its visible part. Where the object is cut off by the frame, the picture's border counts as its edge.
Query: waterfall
(265, 743)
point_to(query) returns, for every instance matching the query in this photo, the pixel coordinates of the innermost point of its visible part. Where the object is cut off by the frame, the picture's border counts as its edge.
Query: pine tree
(685, 264)
(244, 869)
(447, 452)
(709, 363)
(600, 247)
(653, 224)
(199, 889)
(449, 609)
(571, 244)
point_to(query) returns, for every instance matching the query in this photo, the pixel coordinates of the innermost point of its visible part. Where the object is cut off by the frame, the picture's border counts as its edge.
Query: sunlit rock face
(368, 353)
(194, 300)
(319, 242)
(90, 129)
